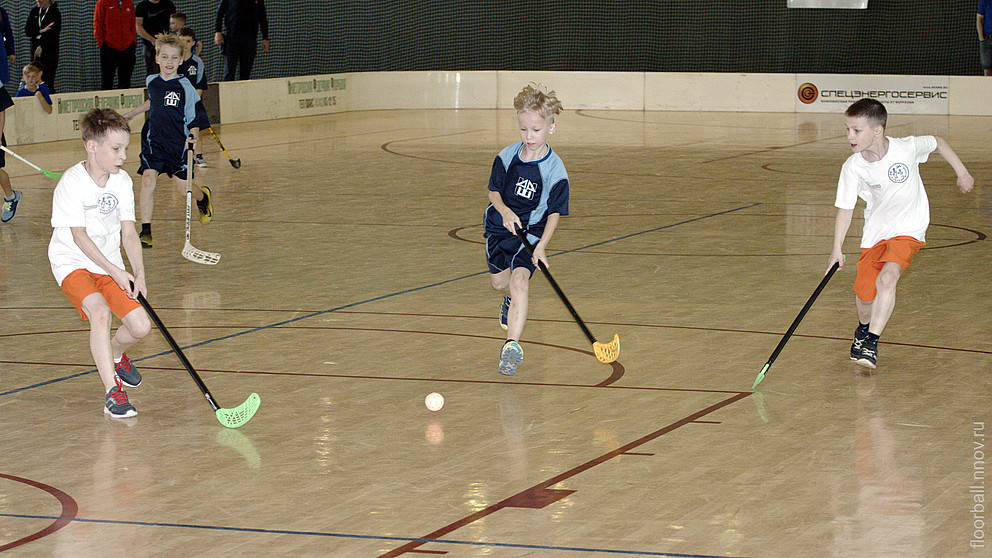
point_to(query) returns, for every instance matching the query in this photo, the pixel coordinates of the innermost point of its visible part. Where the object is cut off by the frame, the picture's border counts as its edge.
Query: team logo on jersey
(526, 188)
(172, 99)
(898, 172)
(106, 203)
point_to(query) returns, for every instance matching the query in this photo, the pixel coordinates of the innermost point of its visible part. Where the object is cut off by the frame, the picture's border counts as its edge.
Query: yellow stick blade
(607, 352)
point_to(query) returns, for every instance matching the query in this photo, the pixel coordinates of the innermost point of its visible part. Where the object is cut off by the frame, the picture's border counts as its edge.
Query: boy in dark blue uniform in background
(192, 67)
(528, 189)
(171, 107)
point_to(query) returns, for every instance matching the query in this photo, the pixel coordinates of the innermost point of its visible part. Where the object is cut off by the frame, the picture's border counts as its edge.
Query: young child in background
(192, 68)
(93, 217)
(885, 172)
(171, 107)
(528, 190)
(33, 86)
(177, 22)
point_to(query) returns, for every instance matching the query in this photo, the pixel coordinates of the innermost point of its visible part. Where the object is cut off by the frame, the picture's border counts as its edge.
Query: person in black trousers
(43, 26)
(237, 27)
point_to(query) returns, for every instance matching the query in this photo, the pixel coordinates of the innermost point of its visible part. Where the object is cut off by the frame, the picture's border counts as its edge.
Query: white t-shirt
(895, 202)
(79, 202)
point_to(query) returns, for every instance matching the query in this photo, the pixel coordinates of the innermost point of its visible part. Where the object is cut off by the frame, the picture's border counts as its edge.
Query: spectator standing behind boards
(152, 19)
(43, 26)
(113, 28)
(237, 27)
(985, 35)
(32, 86)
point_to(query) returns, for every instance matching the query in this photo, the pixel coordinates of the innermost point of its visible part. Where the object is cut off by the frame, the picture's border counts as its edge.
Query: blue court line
(364, 537)
(383, 297)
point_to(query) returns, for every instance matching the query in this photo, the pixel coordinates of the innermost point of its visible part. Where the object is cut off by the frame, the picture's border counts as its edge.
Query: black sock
(872, 336)
(146, 228)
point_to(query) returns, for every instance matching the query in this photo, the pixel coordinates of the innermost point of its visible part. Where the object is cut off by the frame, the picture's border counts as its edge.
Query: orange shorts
(82, 283)
(900, 250)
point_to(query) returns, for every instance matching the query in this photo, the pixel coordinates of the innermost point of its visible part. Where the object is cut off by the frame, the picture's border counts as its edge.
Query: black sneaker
(126, 372)
(116, 404)
(504, 312)
(869, 353)
(860, 334)
(205, 207)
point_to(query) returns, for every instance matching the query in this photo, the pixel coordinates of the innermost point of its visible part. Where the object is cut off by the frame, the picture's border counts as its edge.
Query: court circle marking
(69, 511)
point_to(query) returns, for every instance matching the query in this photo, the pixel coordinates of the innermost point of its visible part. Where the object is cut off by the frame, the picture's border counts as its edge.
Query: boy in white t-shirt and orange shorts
(885, 172)
(93, 217)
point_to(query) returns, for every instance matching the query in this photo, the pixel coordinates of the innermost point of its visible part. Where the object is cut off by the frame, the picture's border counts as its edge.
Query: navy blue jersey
(192, 68)
(532, 190)
(171, 111)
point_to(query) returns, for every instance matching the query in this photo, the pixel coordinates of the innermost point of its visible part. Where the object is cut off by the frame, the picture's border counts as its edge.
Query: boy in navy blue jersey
(528, 189)
(192, 67)
(171, 107)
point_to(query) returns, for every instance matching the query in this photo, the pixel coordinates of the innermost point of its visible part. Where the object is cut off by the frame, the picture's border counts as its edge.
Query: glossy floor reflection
(353, 283)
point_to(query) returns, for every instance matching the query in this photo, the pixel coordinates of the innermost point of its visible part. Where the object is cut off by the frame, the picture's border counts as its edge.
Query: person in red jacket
(115, 33)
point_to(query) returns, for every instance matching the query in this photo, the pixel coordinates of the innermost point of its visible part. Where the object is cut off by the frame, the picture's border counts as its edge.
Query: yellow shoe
(146, 239)
(206, 209)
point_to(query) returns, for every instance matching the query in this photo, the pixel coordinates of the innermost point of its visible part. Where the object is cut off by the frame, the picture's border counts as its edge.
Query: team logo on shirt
(172, 99)
(106, 203)
(898, 172)
(526, 188)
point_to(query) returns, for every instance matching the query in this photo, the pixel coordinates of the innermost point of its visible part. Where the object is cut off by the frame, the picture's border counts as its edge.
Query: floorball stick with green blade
(795, 324)
(49, 174)
(231, 418)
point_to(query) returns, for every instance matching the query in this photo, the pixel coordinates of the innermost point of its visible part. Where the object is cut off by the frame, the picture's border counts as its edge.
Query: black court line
(379, 298)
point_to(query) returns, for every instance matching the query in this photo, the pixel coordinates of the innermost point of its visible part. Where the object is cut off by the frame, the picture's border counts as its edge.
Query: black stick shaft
(554, 284)
(802, 313)
(178, 351)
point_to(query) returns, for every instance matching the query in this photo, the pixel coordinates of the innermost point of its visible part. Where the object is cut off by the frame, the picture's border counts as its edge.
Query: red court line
(69, 510)
(544, 486)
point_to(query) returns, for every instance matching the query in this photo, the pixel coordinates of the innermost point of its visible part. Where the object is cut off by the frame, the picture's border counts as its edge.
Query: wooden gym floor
(352, 283)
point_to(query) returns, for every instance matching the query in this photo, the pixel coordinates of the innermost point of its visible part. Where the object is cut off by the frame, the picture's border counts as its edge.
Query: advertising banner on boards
(899, 94)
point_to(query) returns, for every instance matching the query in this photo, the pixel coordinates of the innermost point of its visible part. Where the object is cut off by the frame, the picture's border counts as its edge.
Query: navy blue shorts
(170, 166)
(5, 103)
(167, 157)
(507, 252)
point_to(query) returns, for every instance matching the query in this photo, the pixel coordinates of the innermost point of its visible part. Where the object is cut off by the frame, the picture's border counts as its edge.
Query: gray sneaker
(510, 357)
(126, 372)
(117, 404)
(10, 207)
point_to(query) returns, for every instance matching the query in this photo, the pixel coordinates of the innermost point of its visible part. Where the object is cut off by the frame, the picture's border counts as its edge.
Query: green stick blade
(761, 376)
(238, 416)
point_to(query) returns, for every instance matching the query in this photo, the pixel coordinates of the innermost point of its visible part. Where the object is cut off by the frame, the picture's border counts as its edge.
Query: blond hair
(169, 40)
(535, 98)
